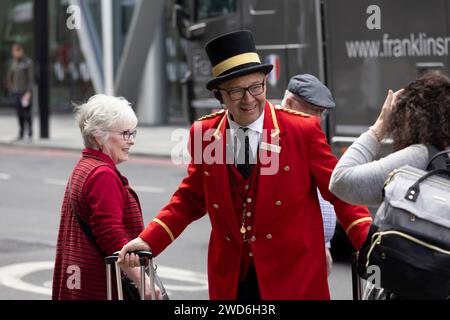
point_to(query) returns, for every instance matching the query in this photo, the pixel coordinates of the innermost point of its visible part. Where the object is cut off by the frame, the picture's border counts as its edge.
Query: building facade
(123, 47)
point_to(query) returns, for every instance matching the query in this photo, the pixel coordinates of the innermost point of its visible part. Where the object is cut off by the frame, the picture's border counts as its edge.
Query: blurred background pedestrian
(20, 81)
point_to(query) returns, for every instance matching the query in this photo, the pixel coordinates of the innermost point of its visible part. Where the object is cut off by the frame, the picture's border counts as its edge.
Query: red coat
(288, 248)
(105, 201)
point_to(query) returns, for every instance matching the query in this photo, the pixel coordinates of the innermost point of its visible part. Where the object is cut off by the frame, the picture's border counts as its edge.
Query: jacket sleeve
(30, 75)
(186, 205)
(104, 193)
(9, 77)
(354, 219)
(359, 176)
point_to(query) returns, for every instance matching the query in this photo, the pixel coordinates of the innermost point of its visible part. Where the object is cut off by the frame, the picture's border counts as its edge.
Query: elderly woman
(416, 118)
(101, 198)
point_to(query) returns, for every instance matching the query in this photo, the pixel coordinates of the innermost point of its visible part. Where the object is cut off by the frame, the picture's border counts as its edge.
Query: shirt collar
(256, 125)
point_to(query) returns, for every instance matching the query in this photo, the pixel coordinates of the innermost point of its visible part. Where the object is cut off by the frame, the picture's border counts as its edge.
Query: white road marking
(57, 182)
(5, 176)
(144, 189)
(11, 276)
(183, 275)
(148, 189)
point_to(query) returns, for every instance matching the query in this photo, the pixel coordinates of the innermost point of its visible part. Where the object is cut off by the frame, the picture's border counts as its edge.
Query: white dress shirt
(254, 132)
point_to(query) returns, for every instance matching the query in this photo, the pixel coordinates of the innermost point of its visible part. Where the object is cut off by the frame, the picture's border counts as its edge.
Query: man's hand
(132, 260)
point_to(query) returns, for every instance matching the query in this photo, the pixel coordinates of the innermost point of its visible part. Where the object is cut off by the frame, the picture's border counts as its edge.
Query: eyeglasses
(127, 134)
(239, 93)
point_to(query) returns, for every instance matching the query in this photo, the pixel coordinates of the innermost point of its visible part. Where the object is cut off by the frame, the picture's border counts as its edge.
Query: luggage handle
(414, 190)
(143, 256)
(356, 279)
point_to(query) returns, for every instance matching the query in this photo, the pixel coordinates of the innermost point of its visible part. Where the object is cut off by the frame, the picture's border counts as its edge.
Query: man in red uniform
(255, 172)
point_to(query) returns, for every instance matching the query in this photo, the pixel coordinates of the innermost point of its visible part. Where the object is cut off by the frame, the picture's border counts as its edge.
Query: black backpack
(399, 244)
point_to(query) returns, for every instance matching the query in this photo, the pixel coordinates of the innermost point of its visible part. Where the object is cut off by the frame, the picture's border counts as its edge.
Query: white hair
(287, 94)
(100, 114)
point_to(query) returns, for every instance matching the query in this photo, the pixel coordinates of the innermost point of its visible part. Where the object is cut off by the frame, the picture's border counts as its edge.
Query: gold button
(287, 168)
(268, 236)
(249, 200)
(250, 254)
(247, 187)
(278, 203)
(228, 239)
(249, 228)
(253, 239)
(249, 214)
(207, 173)
(215, 206)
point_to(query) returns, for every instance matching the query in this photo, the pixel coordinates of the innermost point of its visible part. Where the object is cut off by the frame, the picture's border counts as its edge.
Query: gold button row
(253, 238)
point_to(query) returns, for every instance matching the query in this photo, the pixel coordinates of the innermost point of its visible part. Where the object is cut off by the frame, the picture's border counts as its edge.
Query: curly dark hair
(422, 113)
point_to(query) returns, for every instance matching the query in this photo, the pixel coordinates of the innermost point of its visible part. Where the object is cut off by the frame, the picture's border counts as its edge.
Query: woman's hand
(148, 294)
(380, 125)
(135, 275)
(130, 259)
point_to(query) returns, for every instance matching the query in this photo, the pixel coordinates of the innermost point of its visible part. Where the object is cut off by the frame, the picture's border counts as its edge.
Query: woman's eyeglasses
(127, 134)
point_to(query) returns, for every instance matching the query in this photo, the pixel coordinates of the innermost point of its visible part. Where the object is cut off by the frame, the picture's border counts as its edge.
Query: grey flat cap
(310, 89)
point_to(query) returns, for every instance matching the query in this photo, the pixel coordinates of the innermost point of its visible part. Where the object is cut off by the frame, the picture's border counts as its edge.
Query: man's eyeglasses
(127, 134)
(239, 93)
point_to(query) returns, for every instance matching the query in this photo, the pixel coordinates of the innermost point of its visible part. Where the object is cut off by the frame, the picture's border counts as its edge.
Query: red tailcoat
(288, 245)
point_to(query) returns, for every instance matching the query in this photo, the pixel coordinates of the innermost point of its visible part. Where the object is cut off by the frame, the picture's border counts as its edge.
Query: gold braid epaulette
(298, 113)
(212, 115)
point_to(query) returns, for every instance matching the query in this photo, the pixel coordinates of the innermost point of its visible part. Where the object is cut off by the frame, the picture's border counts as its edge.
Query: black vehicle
(358, 48)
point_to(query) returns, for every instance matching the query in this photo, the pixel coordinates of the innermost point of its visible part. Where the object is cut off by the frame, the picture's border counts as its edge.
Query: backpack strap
(432, 150)
(438, 159)
(414, 190)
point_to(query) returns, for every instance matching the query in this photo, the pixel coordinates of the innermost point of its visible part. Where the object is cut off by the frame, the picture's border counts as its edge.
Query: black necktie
(243, 165)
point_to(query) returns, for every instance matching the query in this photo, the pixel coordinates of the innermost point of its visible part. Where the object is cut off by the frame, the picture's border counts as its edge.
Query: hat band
(235, 61)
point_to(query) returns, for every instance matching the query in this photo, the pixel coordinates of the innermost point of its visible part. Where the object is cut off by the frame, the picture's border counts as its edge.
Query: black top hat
(233, 55)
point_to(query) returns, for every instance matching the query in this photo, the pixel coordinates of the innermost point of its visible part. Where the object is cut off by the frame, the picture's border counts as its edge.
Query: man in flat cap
(305, 93)
(266, 228)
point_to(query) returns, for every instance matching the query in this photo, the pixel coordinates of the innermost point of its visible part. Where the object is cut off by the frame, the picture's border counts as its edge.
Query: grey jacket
(358, 179)
(21, 76)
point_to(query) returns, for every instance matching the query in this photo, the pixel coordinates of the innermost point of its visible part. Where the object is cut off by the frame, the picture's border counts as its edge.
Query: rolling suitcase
(144, 256)
(363, 289)
(357, 281)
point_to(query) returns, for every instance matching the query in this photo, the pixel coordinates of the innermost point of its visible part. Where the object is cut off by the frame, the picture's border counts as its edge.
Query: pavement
(158, 141)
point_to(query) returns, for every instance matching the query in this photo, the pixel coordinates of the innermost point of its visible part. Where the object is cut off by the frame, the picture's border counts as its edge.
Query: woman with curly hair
(417, 118)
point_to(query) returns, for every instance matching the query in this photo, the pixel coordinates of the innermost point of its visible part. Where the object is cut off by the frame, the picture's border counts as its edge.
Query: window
(214, 8)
